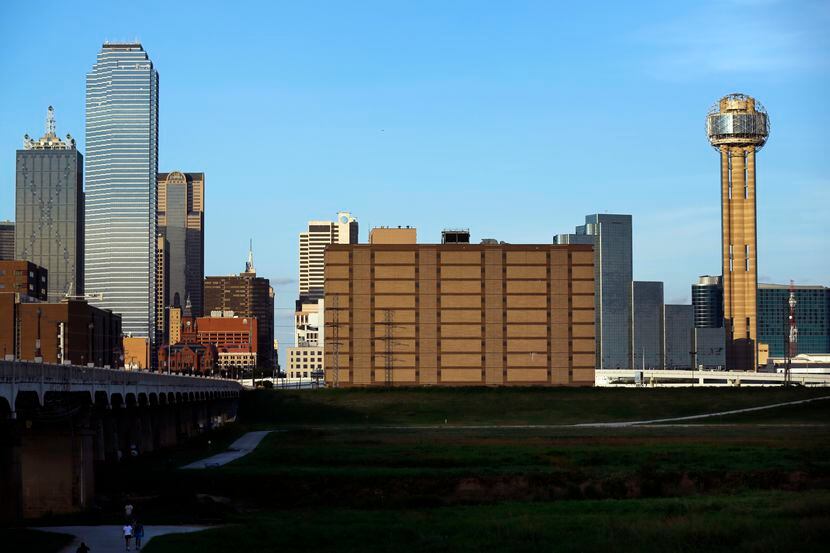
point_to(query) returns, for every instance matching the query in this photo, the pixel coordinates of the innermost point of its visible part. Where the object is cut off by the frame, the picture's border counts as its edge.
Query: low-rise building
(70, 331)
(306, 362)
(459, 315)
(188, 358)
(136, 353)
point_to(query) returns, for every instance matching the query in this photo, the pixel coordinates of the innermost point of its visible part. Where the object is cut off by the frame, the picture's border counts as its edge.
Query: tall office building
(313, 244)
(6, 240)
(738, 126)
(812, 318)
(678, 330)
(121, 169)
(613, 275)
(181, 221)
(707, 299)
(647, 338)
(247, 295)
(49, 209)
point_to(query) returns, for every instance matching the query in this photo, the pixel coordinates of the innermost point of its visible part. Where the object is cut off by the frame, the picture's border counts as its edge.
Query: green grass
(501, 406)
(25, 540)
(746, 523)
(376, 470)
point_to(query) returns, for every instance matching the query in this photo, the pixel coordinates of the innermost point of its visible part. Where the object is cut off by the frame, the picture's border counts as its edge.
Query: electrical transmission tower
(387, 320)
(335, 324)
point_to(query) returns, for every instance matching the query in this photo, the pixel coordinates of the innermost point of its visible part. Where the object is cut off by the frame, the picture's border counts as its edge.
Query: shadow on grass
(32, 541)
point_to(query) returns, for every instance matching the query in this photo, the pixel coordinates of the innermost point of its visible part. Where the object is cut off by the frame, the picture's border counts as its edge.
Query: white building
(306, 356)
(313, 244)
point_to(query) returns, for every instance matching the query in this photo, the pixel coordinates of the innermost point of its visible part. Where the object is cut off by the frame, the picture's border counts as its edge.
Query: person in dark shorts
(138, 534)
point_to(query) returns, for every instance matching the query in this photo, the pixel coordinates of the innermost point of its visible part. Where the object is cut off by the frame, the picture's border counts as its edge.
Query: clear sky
(515, 119)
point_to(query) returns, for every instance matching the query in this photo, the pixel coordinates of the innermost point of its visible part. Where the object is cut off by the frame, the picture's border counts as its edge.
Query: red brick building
(187, 358)
(23, 277)
(71, 330)
(234, 339)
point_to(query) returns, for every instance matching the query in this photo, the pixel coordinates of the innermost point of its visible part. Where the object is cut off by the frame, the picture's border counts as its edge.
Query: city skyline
(490, 121)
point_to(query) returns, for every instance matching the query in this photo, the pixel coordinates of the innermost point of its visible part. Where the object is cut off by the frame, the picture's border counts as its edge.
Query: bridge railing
(32, 372)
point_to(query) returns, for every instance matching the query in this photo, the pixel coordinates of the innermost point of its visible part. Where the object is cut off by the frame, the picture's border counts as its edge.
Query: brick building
(71, 330)
(188, 358)
(24, 277)
(459, 314)
(248, 296)
(234, 339)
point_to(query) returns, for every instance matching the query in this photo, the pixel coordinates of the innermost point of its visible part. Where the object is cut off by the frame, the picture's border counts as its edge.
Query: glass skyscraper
(611, 237)
(812, 317)
(121, 169)
(647, 324)
(707, 298)
(49, 209)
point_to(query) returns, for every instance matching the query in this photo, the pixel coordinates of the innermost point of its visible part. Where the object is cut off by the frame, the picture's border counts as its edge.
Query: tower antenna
(50, 120)
(249, 265)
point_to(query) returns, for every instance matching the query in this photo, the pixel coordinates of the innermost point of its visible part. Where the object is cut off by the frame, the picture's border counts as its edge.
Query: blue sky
(515, 119)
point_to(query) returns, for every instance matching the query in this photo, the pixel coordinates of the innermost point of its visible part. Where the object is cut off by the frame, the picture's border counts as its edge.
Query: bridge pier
(57, 422)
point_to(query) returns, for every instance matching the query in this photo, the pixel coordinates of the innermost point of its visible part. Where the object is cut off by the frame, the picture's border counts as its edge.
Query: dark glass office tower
(611, 237)
(647, 325)
(6, 240)
(49, 209)
(707, 299)
(812, 318)
(678, 325)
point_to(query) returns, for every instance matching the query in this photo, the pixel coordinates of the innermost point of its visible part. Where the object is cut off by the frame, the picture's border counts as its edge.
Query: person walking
(128, 534)
(82, 548)
(138, 533)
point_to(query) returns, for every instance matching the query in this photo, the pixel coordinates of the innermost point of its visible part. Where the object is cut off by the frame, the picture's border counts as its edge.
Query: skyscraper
(738, 126)
(247, 295)
(313, 243)
(611, 237)
(812, 317)
(181, 220)
(49, 209)
(121, 169)
(6, 240)
(678, 328)
(707, 299)
(647, 339)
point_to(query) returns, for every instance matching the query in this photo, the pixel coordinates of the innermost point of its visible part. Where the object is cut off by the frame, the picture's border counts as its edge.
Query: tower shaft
(739, 255)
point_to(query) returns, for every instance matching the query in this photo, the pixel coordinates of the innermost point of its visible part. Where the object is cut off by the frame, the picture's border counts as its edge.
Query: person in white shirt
(128, 534)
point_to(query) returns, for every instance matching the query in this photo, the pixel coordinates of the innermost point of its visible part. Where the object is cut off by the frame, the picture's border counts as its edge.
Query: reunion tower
(738, 126)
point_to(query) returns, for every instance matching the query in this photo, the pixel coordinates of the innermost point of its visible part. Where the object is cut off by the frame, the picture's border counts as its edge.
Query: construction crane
(97, 296)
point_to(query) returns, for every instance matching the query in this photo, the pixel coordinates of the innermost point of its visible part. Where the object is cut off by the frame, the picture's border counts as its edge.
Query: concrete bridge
(58, 422)
(687, 377)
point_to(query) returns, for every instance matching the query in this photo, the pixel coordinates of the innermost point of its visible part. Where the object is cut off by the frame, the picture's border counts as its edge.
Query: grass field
(502, 406)
(755, 522)
(497, 469)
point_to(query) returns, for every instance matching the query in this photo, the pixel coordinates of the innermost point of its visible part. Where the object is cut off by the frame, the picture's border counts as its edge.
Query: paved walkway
(239, 448)
(109, 539)
(661, 422)
(705, 415)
